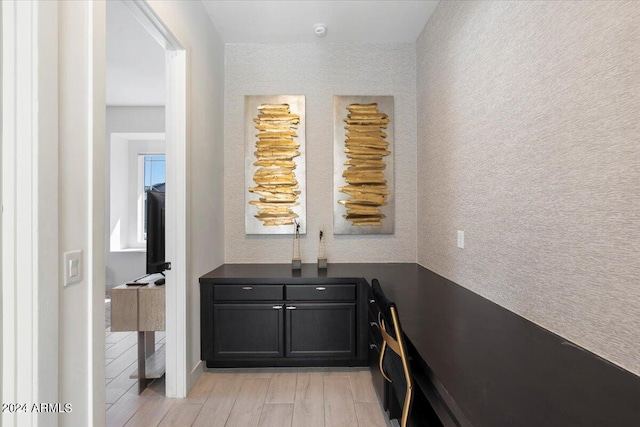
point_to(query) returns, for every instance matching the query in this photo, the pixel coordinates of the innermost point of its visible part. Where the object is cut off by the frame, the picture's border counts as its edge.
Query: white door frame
(29, 208)
(29, 289)
(177, 372)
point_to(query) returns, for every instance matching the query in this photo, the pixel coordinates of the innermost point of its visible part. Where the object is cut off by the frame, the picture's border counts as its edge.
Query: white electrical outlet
(461, 239)
(72, 267)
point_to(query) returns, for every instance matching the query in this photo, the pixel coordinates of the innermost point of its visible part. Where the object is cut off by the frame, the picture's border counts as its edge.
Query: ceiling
(266, 21)
(135, 61)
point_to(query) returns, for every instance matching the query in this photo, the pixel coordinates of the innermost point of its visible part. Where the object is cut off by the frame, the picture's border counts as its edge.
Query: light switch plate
(72, 267)
(461, 239)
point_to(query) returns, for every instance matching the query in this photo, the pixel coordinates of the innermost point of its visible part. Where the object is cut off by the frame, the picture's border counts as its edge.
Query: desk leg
(150, 343)
(142, 359)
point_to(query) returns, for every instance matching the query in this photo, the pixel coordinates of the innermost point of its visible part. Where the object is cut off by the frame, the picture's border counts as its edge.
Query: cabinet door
(321, 330)
(247, 331)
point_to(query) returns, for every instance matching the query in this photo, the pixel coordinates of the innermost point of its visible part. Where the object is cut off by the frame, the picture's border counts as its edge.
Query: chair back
(393, 338)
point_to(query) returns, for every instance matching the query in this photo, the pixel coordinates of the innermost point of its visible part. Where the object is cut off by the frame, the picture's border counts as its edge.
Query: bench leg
(143, 382)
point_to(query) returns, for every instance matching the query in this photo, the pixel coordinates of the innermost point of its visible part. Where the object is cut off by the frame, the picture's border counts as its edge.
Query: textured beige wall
(529, 140)
(320, 71)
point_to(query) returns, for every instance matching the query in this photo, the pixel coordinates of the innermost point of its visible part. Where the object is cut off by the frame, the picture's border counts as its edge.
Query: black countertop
(499, 368)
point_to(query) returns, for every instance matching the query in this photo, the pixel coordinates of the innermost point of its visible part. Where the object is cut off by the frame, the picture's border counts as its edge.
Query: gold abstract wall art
(365, 147)
(363, 165)
(275, 179)
(274, 141)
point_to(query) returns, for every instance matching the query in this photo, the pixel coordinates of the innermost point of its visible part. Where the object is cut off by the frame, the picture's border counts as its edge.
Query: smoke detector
(320, 30)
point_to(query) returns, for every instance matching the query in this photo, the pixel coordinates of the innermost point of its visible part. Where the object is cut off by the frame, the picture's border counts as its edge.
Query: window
(153, 178)
(154, 172)
(137, 162)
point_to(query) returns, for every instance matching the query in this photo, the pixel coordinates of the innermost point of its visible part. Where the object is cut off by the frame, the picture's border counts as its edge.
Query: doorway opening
(146, 138)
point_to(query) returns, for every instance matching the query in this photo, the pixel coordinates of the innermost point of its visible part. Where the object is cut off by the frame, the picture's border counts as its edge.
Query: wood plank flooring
(278, 397)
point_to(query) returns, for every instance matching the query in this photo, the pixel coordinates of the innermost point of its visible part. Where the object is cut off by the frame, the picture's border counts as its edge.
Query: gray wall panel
(528, 139)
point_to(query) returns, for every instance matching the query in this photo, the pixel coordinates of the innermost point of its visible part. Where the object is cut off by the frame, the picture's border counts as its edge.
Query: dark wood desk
(490, 366)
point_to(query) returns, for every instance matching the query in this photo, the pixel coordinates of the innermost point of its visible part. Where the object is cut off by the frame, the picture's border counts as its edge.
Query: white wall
(1, 185)
(205, 168)
(81, 208)
(528, 141)
(125, 266)
(320, 71)
(48, 294)
(73, 208)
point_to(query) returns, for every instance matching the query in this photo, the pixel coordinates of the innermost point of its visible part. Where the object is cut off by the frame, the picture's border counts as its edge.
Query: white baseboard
(195, 375)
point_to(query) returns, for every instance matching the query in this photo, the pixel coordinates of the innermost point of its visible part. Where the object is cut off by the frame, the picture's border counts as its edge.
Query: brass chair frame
(398, 347)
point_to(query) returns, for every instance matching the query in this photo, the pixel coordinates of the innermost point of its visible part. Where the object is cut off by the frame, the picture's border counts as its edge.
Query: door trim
(29, 285)
(178, 373)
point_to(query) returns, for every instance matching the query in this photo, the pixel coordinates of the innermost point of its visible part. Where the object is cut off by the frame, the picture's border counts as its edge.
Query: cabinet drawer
(372, 307)
(375, 336)
(247, 292)
(379, 383)
(346, 292)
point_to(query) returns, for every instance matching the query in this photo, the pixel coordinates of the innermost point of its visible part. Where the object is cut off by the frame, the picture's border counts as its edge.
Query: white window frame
(141, 238)
(126, 193)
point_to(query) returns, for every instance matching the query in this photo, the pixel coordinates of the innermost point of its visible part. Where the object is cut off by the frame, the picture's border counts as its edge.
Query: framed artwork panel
(363, 177)
(275, 173)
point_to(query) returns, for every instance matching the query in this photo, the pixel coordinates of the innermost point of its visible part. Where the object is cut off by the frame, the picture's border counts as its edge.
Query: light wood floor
(278, 397)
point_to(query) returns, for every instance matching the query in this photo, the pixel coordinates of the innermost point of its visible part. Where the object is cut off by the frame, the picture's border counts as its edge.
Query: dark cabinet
(375, 346)
(268, 324)
(247, 330)
(321, 330)
(340, 292)
(249, 293)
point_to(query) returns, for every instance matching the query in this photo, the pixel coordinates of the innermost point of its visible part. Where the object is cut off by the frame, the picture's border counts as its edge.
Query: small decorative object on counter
(322, 251)
(296, 262)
